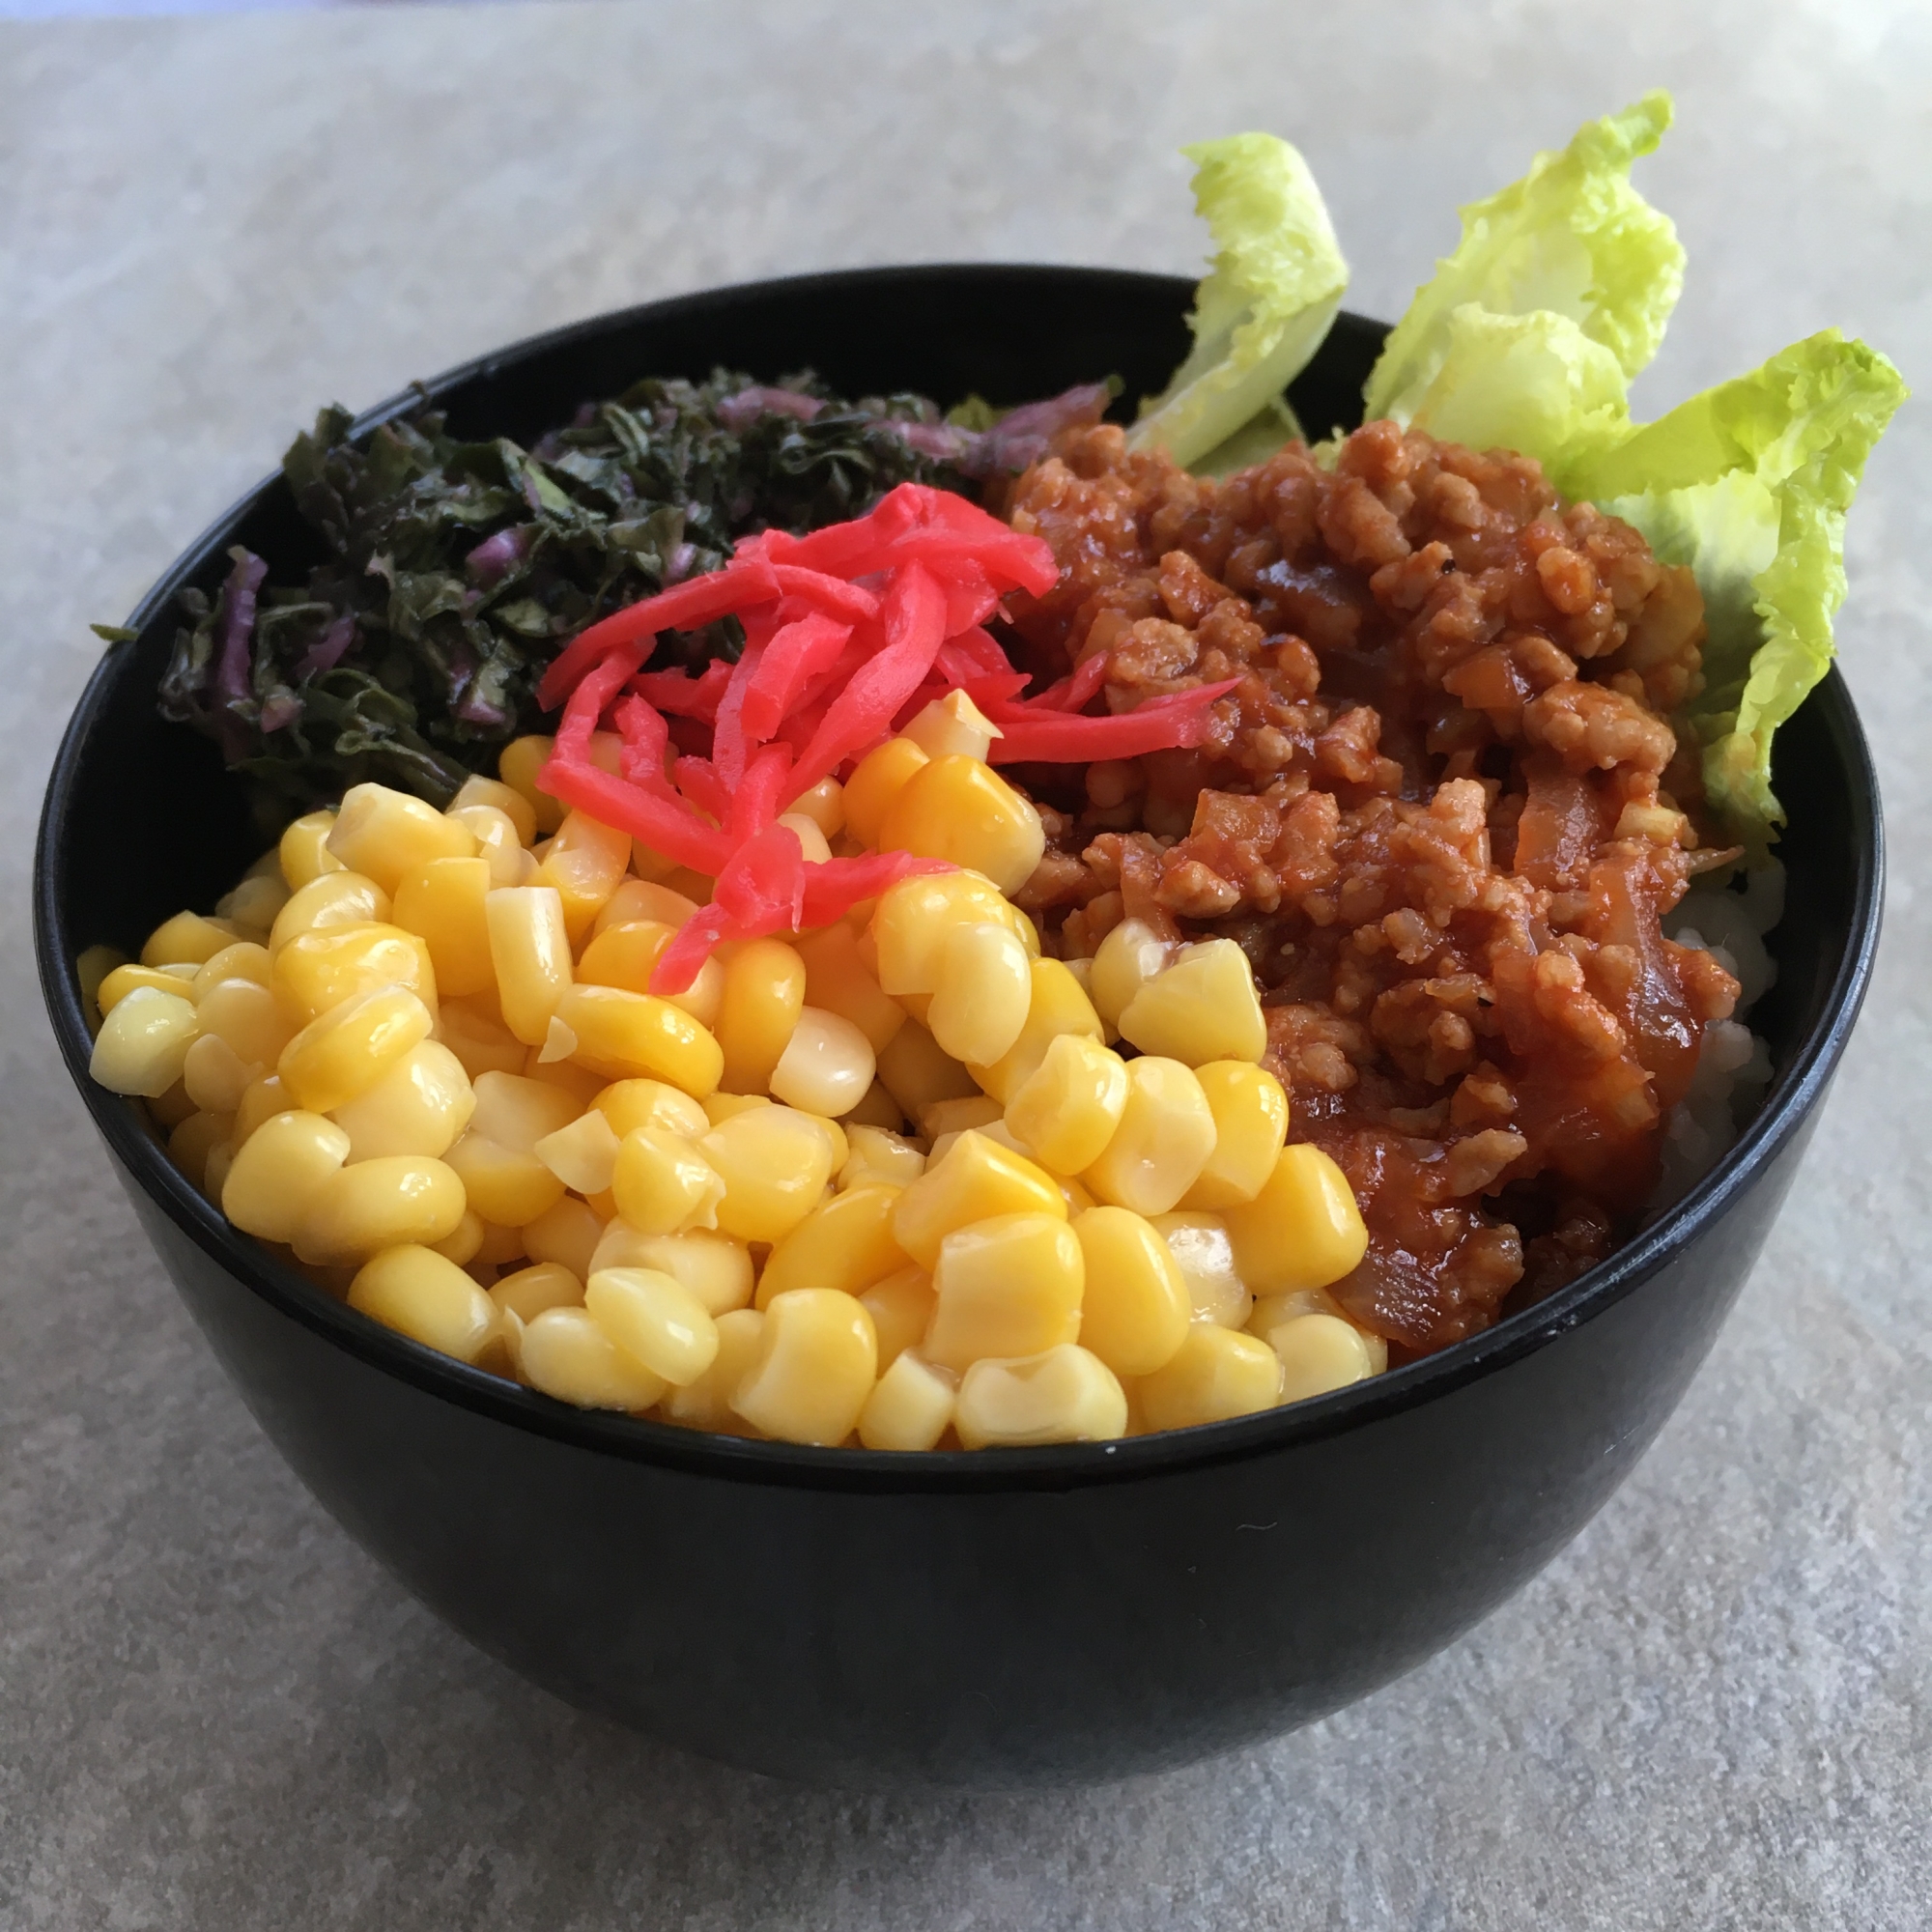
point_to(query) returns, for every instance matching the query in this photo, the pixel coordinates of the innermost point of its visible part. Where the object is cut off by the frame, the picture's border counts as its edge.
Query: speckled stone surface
(1714, 1710)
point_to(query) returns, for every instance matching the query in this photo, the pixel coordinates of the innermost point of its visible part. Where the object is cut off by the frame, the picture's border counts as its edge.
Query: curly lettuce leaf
(1527, 337)
(1267, 303)
(1748, 484)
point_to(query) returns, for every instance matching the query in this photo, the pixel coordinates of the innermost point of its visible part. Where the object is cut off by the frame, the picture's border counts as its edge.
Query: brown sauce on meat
(1443, 812)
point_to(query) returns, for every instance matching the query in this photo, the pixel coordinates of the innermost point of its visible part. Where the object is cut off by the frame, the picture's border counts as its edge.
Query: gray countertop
(1714, 1710)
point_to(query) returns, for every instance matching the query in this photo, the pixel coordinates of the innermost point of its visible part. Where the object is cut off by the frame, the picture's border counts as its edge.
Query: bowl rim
(1055, 1466)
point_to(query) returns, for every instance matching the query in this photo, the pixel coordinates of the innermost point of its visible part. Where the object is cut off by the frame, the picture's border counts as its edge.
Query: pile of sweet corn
(415, 1053)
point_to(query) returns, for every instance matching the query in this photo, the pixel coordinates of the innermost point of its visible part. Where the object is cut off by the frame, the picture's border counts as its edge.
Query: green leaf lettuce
(1267, 303)
(1527, 337)
(1748, 484)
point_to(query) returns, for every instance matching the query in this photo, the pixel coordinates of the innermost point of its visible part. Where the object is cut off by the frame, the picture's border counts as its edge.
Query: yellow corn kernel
(1319, 1353)
(1270, 1311)
(976, 1181)
(500, 1245)
(465, 1242)
(1165, 1136)
(122, 980)
(426, 1297)
(386, 835)
(775, 1163)
(530, 1290)
(418, 1107)
(957, 809)
(706, 1402)
(824, 804)
(1303, 1229)
(1065, 1394)
(764, 994)
(530, 952)
(187, 940)
(214, 1076)
(815, 1363)
(215, 1176)
(345, 1051)
(1057, 1005)
(336, 898)
(1069, 1109)
(194, 1139)
(876, 1109)
(251, 907)
(315, 971)
(517, 764)
(479, 1039)
(1010, 1284)
(476, 789)
(838, 1148)
(812, 843)
(914, 917)
(507, 1187)
(1204, 1255)
(909, 1407)
(567, 1233)
(827, 1065)
(263, 1100)
(985, 988)
(567, 1355)
(650, 1103)
(635, 1036)
(917, 1072)
(721, 1108)
(502, 854)
(303, 852)
(661, 1184)
(1136, 1311)
(845, 1243)
(583, 1155)
(715, 1267)
(246, 959)
(171, 1108)
(1250, 1110)
(1204, 1007)
(516, 1113)
(901, 1309)
(1130, 956)
(953, 726)
(442, 904)
(640, 902)
(357, 1211)
(655, 1317)
(839, 980)
(1216, 1374)
(875, 785)
(627, 955)
(143, 1043)
(91, 967)
(278, 1171)
(584, 861)
(944, 1118)
(880, 1155)
(248, 1016)
(578, 1082)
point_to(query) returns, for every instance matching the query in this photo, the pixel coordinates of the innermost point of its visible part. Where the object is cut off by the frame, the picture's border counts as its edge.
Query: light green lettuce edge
(1265, 306)
(1748, 484)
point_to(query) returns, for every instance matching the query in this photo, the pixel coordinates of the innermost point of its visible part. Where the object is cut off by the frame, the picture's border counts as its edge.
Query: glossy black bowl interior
(1078, 1612)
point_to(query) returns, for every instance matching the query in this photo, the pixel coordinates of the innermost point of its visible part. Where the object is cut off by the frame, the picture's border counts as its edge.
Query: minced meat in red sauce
(1442, 812)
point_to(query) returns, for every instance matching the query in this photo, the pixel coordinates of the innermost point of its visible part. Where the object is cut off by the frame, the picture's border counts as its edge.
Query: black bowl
(1000, 1619)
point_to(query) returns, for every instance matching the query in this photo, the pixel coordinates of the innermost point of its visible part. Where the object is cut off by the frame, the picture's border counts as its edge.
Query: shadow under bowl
(1081, 1612)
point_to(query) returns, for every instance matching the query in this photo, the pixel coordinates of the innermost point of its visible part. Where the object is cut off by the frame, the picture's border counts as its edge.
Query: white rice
(1733, 1067)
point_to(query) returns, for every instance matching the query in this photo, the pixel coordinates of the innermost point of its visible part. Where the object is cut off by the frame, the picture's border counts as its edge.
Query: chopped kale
(456, 570)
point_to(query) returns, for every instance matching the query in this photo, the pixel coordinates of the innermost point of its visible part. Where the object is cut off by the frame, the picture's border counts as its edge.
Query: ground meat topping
(1442, 811)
